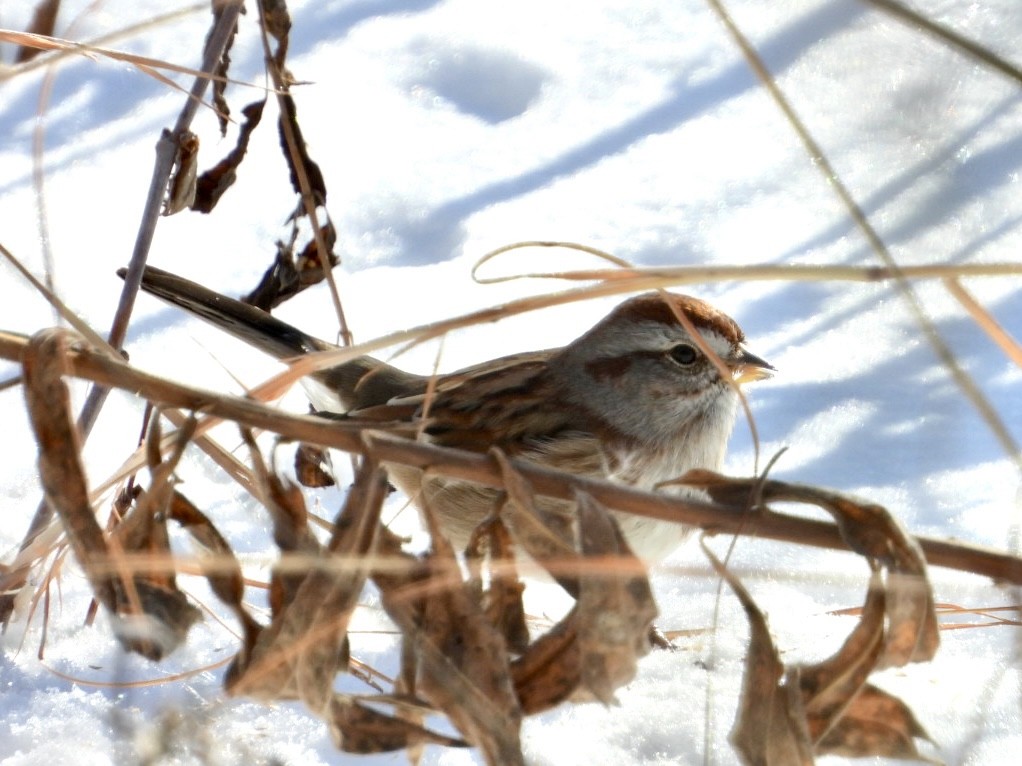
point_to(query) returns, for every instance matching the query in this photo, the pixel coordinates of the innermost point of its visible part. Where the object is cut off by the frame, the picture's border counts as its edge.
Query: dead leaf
(212, 184)
(357, 728)
(222, 69)
(547, 536)
(550, 670)
(299, 161)
(791, 715)
(291, 273)
(181, 187)
(300, 653)
(828, 686)
(615, 607)
(460, 660)
(222, 570)
(149, 615)
(312, 466)
(875, 723)
(502, 598)
(770, 728)
(871, 531)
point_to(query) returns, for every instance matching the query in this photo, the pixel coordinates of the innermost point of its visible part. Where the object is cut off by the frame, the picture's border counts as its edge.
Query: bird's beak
(749, 368)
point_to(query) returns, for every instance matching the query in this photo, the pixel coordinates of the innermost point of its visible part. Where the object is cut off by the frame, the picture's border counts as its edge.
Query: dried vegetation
(466, 649)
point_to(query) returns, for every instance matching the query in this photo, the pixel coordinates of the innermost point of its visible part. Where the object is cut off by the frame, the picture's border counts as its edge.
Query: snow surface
(447, 128)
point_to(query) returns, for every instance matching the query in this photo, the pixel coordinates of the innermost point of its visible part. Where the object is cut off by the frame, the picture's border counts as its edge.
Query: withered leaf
(828, 686)
(546, 534)
(310, 262)
(222, 69)
(357, 728)
(875, 724)
(60, 467)
(277, 284)
(312, 466)
(827, 708)
(502, 599)
(222, 570)
(213, 183)
(460, 659)
(181, 187)
(301, 651)
(769, 729)
(277, 21)
(160, 627)
(464, 669)
(912, 632)
(149, 615)
(615, 606)
(290, 274)
(550, 670)
(871, 531)
(298, 160)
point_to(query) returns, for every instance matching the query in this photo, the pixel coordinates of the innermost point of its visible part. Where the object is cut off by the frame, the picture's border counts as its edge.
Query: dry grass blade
(153, 22)
(14, 581)
(69, 316)
(144, 64)
(953, 39)
(965, 382)
(985, 320)
(645, 278)
(292, 273)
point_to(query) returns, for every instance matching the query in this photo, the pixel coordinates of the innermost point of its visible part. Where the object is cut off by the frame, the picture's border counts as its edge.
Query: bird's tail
(245, 322)
(360, 382)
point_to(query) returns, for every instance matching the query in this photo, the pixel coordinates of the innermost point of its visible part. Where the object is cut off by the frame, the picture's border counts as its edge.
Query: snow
(448, 128)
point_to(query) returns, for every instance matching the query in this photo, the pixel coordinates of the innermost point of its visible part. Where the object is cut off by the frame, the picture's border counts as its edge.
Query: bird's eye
(683, 354)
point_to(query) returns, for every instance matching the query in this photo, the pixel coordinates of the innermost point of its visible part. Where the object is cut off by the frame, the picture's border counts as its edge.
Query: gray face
(652, 382)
